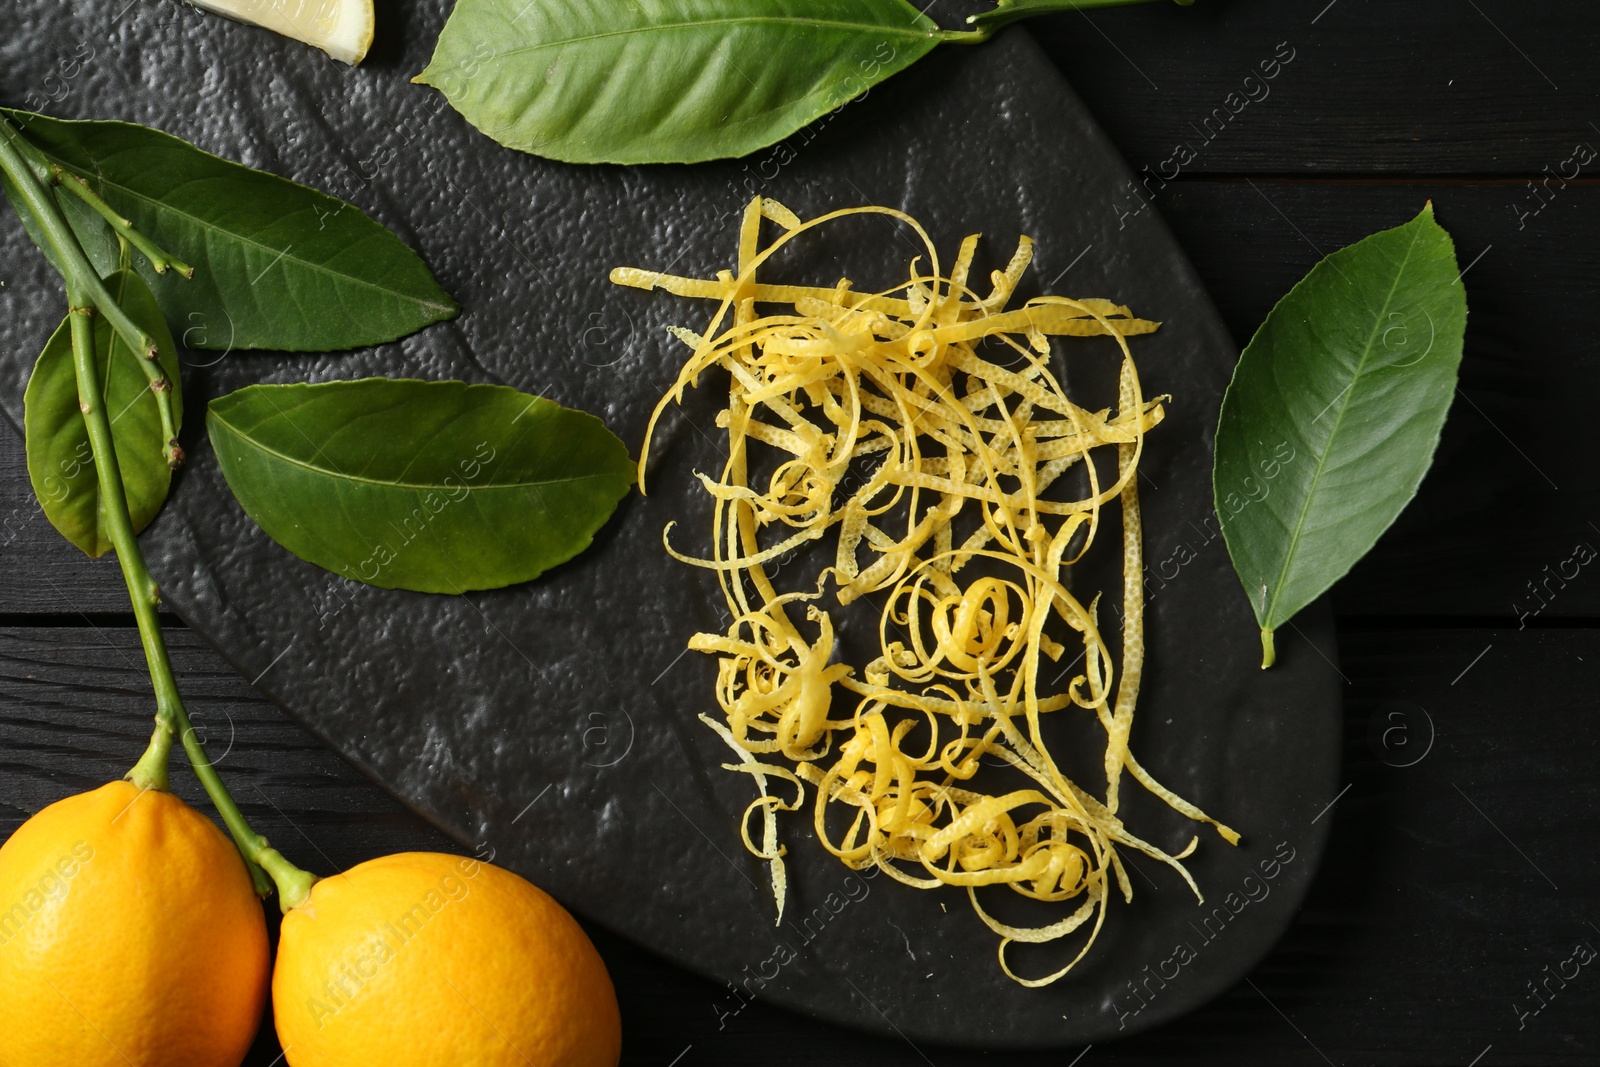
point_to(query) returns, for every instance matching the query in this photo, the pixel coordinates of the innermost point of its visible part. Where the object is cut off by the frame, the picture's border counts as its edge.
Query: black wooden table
(1460, 889)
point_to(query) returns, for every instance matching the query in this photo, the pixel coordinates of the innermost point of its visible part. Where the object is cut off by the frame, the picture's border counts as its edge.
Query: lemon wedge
(341, 28)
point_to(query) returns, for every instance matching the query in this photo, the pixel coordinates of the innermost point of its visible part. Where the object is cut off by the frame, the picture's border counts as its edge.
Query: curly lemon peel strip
(1132, 602)
(890, 427)
(770, 849)
(810, 298)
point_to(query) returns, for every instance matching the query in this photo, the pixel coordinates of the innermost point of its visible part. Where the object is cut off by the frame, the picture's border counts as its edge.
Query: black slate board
(552, 725)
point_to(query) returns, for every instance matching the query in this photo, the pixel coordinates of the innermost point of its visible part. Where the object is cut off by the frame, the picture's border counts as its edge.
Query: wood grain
(1452, 878)
(41, 573)
(1437, 87)
(1511, 494)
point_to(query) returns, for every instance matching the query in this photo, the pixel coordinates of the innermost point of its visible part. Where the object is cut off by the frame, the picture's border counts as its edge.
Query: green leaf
(665, 81)
(279, 265)
(1334, 413)
(439, 487)
(60, 462)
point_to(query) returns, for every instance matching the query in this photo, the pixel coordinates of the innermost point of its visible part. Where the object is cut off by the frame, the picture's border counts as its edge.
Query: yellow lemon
(130, 936)
(429, 960)
(341, 28)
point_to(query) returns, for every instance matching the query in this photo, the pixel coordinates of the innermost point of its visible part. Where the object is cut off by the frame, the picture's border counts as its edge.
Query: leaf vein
(417, 486)
(1275, 595)
(909, 32)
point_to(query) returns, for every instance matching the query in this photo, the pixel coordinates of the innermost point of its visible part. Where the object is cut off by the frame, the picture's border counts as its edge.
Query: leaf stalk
(1006, 12)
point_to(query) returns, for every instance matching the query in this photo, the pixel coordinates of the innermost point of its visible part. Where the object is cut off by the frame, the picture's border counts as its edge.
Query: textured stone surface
(554, 723)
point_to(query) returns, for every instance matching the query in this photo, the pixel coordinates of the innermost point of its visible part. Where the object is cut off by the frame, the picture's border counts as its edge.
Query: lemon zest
(883, 419)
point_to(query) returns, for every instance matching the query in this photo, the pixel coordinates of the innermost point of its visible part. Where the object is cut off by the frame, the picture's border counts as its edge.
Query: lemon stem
(267, 866)
(172, 719)
(294, 885)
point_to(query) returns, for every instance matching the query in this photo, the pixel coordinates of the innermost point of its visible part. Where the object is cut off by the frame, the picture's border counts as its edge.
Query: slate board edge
(1320, 624)
(1317, 621)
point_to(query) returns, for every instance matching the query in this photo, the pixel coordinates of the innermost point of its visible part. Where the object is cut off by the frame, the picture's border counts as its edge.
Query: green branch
(172, 719)
(81, 276)
(160, 261)
(1008, 11)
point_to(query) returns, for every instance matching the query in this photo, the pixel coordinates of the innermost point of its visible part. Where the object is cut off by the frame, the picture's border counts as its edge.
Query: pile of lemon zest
(884, 416)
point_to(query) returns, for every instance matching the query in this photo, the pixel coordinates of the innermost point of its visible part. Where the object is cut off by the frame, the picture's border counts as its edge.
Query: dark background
(1462, 861)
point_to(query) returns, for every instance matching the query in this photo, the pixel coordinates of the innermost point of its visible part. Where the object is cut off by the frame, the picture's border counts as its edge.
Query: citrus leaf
(1334, 413)
(665, 81)
(279, 265)
(60, 462)
(439, 487)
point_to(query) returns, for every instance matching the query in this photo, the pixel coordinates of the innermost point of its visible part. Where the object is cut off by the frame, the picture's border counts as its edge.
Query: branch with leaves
(85, 360)
(112, 206)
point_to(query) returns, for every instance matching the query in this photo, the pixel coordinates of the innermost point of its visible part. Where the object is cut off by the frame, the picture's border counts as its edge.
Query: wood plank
(76, 710)
(1459, 868)
(40, 571)
(1495, 527)
(1373, 86)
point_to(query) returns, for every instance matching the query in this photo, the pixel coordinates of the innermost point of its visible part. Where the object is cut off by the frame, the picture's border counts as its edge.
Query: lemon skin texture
(427, 960)
(130, 936)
